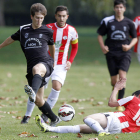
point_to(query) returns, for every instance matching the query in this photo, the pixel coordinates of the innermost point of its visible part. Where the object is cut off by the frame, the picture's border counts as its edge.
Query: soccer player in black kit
(34, 39)
(117, 46)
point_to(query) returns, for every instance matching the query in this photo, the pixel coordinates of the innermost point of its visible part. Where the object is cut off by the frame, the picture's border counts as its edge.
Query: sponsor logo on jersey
(32, 43)
(65, 37)
(124, 28)
(112, 27)
(26, 35)
(118, 35)
(40, 35)
(58, 44)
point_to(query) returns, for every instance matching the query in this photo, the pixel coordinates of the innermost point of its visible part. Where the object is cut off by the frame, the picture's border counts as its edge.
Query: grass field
(87, 88)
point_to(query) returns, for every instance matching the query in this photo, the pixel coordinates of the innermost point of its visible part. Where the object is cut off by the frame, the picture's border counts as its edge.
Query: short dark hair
(61, 8)
(136, 93)
(38, 7)
(117, 2)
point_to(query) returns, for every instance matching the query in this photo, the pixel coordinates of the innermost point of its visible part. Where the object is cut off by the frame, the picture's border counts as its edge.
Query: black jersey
(34, 44)
(118, 33)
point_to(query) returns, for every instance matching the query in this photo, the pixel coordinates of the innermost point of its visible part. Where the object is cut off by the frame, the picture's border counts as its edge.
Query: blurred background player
(137, 45)
(117, 46)
(63, 36)
(34, 39)
(109, 122)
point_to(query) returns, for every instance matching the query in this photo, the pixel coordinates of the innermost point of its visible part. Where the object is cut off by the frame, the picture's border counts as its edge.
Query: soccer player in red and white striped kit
(64, 35)
(137, 45)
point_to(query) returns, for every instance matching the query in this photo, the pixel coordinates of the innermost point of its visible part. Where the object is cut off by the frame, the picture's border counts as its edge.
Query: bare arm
(103, 47)
(52, 51)
(132, 43)
(118, 86)
(8, 41)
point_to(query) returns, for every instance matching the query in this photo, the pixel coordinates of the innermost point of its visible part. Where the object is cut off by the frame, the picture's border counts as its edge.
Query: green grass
(88, 78)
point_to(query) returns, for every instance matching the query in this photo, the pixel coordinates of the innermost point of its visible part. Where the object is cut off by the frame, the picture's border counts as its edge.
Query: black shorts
(49, 68)
(117, 62)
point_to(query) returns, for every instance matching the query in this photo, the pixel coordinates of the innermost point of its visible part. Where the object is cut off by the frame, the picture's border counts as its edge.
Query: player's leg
(54, 94)
(58, 77)
(30, 108)
(63, 129)
(122, 74)
(44, 106)
(97, 122)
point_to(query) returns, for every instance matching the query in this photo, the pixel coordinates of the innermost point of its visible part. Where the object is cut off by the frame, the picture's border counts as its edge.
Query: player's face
(61, 18)
(119, 10)
(37, 20)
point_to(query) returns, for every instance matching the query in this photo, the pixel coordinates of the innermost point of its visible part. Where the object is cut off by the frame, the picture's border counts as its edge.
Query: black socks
(36, 82)
(45, 109)
(121, 93)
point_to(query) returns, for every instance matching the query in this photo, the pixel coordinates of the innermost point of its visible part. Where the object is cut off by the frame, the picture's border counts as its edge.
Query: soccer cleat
(25, 119)
(30, 93)
(45, 118)
(53, 124)
(103, 133)
(119, 108)
(41, 124)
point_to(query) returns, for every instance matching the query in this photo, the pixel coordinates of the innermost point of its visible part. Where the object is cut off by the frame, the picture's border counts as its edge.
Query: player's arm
(132, 43)
(8, 41)
(113, 98)
(101, 43)
(74, 45)
(52, 51)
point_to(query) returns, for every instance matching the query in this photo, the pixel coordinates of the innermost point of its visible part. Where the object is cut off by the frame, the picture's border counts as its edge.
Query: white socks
(30, 108)
(93, 124)
(65, 129)
(53, 97)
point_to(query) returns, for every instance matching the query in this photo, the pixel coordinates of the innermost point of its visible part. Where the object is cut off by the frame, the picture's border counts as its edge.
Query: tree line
(82, 12)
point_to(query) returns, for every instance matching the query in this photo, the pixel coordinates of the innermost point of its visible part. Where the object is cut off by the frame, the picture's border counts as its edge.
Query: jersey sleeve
(74, 36)
(102, 30)
(16, 36)
(51, 41)
(136, 22)
(125, 101)
(132, 31)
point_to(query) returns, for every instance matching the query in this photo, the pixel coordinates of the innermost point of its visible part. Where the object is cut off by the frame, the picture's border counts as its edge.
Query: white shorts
(58, 74)
(113, 123)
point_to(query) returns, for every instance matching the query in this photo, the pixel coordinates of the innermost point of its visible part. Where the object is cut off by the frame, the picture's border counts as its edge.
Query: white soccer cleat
(53, 124)
(30, 93)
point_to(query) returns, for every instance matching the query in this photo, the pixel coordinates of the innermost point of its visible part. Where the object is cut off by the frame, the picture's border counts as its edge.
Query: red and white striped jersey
(137, 24)
(62, 38)
(130, 118)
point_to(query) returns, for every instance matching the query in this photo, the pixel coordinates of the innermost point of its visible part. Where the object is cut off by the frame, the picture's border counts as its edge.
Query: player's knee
(35, 70)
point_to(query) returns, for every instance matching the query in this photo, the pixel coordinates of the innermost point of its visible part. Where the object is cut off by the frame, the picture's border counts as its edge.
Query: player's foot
(53, 124)
(119, 108)
(41, 124)
(30, 93)
(103, 133)
(25, 119)
(45, 118)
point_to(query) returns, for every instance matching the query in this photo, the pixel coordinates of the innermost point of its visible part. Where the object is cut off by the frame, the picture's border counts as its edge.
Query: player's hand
(125, 47)
(105, 49)
(68, 65)
(120, 84)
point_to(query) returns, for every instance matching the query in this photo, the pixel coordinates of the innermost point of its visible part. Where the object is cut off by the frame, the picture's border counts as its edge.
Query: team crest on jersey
(65, 37)
(26, 35)
(40, 35)
(124, 28)
(112, 27)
